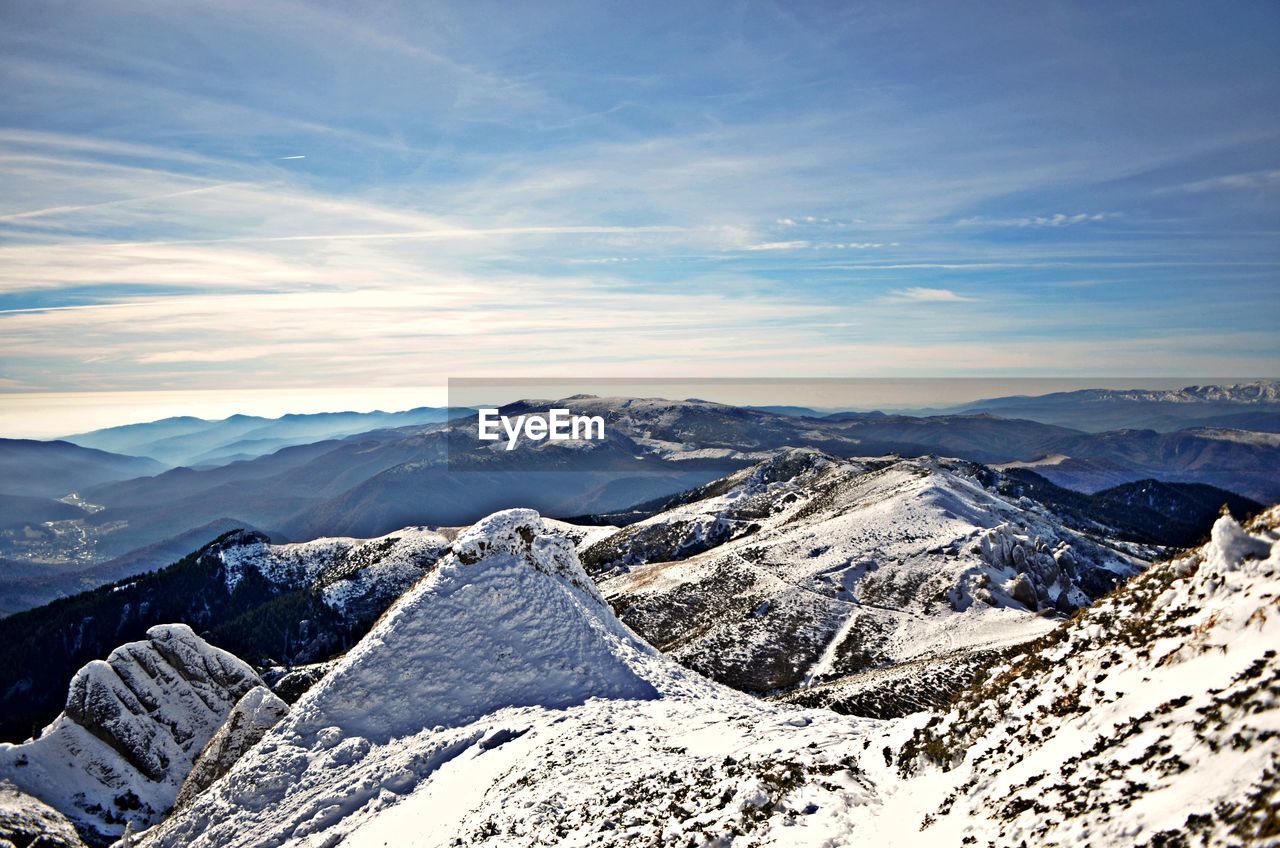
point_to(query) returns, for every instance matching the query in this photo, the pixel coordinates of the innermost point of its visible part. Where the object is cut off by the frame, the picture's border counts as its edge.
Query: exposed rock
(1023, 591)
(291, 684)
(253, 715)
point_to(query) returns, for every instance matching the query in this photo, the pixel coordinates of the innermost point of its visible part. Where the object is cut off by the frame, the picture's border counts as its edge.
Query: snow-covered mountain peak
(806, 568)
(506, 627)
(521, 533)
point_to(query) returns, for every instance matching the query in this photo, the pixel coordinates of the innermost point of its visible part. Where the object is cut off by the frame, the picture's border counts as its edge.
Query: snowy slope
(1153, 718)
(132, 728)
(806, 568)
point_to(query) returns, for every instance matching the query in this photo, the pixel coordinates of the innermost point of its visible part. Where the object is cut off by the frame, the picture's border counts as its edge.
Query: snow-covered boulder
(27, 821)
(132, 728)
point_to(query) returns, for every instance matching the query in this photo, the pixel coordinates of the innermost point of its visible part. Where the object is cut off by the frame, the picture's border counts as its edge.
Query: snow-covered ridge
(1256, 391)
(806, 568)
(345, 570)
(132, 728)
(499, 703)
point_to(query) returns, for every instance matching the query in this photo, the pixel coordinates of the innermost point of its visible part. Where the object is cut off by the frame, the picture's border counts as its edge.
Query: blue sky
(272, 194)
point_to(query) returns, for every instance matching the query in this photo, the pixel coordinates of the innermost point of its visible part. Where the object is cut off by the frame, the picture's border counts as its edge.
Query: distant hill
(202, 442)
(52, 469)
(17, 511)
(1149, 511)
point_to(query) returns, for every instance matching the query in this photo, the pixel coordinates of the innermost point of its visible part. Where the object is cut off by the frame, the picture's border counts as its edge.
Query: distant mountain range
(197, 442)
(1245, 406)
(305, 602)
(133, 514)
(34, 469)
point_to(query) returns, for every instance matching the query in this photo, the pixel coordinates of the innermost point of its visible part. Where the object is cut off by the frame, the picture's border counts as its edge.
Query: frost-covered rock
(251, 717)
(26, 822)
(132, 728)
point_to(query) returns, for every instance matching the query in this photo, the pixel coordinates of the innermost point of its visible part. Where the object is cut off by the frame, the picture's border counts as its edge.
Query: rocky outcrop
(1039, 573)
(253, 715)
(27, 822)
(131, 731)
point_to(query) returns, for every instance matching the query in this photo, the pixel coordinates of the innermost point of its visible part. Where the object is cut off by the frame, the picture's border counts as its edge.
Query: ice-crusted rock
(27, 822)
(1039, 573)
(132, 728)
(251, 717)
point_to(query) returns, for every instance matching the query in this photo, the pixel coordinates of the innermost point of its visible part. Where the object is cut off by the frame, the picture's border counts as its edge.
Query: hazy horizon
(43, 415)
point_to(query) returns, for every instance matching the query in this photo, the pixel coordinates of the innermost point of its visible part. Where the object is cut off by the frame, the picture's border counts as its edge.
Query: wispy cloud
(1058, 220)
(918, 294)
(1251, 181)
(545, 196)
(820, 245)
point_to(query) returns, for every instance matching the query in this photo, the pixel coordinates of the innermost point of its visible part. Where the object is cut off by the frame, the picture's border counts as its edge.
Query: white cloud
(1058, 220)
(820, 245)
(779, 245)
(917, 294)
(1234, 182)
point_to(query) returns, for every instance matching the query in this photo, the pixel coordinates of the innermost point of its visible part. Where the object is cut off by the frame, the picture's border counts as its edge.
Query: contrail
(282, 158)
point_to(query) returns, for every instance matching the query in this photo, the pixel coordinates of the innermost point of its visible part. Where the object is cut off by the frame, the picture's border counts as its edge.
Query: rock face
(253, 715)
(27, 822)
(807, 568)
(131, 731)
